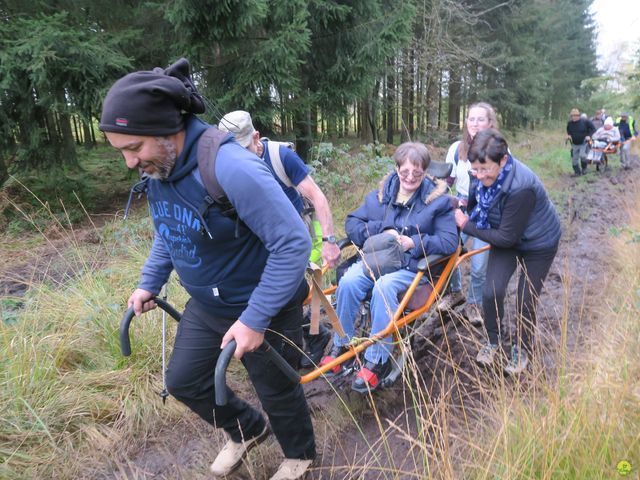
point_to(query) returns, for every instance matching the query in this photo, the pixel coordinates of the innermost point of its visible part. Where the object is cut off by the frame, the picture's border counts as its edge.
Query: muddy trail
(371, 438)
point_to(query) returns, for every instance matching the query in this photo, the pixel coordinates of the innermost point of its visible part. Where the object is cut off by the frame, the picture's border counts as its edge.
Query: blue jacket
(427, 218)
(253, 264)
(542, 230)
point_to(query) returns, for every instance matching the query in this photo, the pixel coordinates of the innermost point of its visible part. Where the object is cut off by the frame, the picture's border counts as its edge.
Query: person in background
(415, 209)
(300, 185)
(598, 119)
(608, 133)
(579, 131)
(480, 116)
(245, 276)
(509, 209)
(628, 133)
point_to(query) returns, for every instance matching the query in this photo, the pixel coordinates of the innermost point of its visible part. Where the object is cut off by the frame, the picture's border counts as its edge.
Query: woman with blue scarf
(511, 211)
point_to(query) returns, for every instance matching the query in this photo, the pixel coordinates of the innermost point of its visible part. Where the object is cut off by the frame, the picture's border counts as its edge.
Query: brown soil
(443, 348)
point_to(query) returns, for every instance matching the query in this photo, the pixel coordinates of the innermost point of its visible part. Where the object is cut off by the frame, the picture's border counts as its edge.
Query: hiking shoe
(231, 455)
(335, 352)
(518, 361)
(370, 375)
(473, 313)
(451, 300)
(292, 469)
(486, 354)
(314, 348)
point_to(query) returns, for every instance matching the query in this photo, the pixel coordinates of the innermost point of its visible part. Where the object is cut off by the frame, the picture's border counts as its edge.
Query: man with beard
(243, 268)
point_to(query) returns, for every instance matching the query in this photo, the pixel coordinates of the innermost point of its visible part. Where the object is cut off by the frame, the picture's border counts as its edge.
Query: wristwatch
(330, 239)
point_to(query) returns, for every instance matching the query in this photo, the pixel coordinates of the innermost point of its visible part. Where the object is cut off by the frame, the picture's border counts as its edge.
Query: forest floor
(374, 440)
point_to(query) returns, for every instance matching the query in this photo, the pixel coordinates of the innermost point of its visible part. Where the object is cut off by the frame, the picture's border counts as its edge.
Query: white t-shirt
(460, 172)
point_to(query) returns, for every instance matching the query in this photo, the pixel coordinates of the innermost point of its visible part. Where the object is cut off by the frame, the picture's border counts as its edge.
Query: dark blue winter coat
(427, 218)
(253, 264)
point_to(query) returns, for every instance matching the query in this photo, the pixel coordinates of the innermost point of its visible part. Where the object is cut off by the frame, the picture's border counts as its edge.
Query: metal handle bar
(225, 357)
(125, 342)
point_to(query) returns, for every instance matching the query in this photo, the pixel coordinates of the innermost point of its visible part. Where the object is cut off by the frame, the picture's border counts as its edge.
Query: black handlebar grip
(225, 357)
(125, 342)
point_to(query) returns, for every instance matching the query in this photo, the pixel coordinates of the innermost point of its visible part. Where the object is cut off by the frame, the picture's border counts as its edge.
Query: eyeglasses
(414, 173)
(483, 171)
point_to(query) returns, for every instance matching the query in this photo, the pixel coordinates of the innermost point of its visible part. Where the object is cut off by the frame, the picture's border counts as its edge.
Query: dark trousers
(190, 378)
(534, 267)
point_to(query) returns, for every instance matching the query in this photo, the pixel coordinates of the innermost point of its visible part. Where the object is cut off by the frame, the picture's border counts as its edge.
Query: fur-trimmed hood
(430, 189)
(427, 218)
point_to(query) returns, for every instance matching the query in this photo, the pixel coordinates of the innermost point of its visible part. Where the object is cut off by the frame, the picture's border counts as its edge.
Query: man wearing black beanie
(244, 277)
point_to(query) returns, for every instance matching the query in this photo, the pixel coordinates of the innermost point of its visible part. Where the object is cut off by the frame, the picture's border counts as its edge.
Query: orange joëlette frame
(397, 320)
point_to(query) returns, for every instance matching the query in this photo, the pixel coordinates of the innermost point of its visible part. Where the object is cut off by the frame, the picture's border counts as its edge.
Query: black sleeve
(590, 127)
(515, 217)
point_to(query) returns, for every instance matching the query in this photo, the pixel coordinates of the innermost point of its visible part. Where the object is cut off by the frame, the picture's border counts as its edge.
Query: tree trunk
(89, 136)
(67, 143)
(366, 132)
(453, 114)
(412, 100)
(407, 78)
(304, 135)
(390, 101)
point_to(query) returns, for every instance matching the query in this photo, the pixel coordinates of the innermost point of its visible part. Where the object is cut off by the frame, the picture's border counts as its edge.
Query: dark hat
(151, 103)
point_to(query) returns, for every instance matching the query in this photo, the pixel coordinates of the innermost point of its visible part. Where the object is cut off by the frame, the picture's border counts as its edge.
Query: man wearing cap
(244, 276)
(579, 131)
(300, 184)
(628, 133)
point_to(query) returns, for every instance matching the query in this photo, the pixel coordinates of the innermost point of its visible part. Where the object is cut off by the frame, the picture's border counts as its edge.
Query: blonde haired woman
(480, 116)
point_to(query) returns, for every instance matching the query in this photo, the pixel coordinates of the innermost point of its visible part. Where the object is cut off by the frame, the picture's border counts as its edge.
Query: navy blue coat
(427, 218)
(542, 231)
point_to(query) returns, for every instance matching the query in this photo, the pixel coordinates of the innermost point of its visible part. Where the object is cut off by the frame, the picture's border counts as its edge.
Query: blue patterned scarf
(486, 195)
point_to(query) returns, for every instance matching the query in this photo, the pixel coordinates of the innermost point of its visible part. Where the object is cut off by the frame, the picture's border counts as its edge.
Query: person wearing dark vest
(628, 133)
(509, 209)
(243, 270)
(579, 131)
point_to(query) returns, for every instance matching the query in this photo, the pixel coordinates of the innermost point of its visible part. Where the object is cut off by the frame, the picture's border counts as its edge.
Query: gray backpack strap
(276, 161)
(208, 146)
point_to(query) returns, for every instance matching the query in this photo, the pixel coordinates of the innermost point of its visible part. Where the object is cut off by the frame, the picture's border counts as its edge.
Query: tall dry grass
(72, 407)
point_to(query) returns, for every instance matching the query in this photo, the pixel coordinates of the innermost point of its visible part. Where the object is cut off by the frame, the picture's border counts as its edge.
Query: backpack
(276, 161)
(208, 146)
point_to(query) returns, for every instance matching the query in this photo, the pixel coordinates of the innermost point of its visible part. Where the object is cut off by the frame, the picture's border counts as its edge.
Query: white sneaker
(486, 354)
(474, 314)
(292, 469)
(231, 455)
(451, 300)
(518, 362)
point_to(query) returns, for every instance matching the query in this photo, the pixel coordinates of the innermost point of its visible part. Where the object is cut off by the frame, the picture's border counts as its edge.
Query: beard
(166, 161)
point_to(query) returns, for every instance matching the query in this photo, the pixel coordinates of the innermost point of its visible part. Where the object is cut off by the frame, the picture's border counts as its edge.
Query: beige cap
(239, 123)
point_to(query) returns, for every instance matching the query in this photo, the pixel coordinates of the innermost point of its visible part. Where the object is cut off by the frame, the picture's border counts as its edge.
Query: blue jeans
(478, 272)
(353, 289)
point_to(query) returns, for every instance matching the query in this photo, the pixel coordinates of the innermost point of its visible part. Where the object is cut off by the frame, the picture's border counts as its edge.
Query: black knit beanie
(151, 103)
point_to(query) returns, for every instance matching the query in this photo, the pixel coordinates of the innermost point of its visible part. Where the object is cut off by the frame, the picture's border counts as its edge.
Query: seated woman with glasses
(416, 210)
(509, 209)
